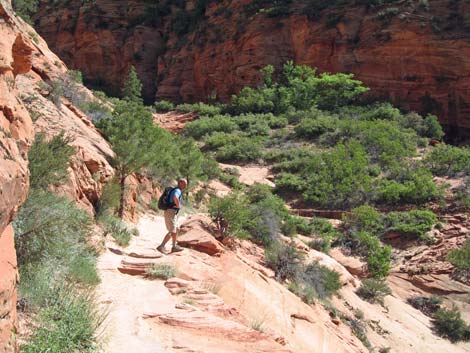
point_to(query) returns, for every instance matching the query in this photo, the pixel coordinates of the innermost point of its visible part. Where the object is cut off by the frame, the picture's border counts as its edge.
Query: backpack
(164, 202)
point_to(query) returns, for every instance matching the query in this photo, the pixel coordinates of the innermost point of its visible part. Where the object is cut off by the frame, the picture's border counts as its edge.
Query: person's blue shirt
(176, 192)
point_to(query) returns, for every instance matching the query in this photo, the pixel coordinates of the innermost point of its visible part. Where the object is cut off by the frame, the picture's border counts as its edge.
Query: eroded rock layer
(16, 133)
(412, 54)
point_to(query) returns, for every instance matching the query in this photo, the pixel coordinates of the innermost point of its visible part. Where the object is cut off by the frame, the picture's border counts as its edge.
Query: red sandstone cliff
(416, 57)
(16, 133)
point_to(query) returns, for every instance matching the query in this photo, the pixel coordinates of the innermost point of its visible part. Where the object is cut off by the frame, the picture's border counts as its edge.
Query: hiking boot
(176, 248)
(161, 248)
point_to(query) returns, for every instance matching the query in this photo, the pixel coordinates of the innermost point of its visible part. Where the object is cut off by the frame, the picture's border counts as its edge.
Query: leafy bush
(285, 260)
(460, 258)
(161, 271)
(449, 324)
(462, 194)
(339, 178)
(385, 141)
(313, 127)
(49, 225)
(66, 323)
(234, 148)
(321, 279)
(300, 88)
(415, 223)
(426, 305)
(163, 106)
(48, 160)
(373, 290)
(116, 228)
(287, 182)
(407, 186)
(207, 126)
(378, 261)
(447, 160)
(364, 218)
(201, 108)
(25, 8)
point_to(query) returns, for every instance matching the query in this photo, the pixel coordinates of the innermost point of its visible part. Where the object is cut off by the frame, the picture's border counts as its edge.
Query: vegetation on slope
(57, 266)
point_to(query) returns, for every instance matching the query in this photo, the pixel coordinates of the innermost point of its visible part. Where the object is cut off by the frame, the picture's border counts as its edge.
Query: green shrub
(325, 233)
(161, 271)
(49, 225)
(109, 199)
(132, 87)
(364, 218)
(313, 127)
(338, 178)
(376, 255)
(449, 324)
(408, 186)
(164, 106)
(25, 8)
(207, 126)
(448, 160)
(378, 261)
(67, 323)
(200, 108)
(83, 270)
(321, 243)
(251, 100)
(373, 290)
(462, 194)
(460, 258)
(235, 148)
(285, 260)
(385, 141)
(287, 182)
(48, 160)
(234, 210)
(321, 279)
(304, 291)
(116, 228)
(426, 305)
(415, 223)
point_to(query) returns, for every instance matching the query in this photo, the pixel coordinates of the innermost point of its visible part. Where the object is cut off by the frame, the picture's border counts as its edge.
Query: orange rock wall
(418, 58)
(16, 133)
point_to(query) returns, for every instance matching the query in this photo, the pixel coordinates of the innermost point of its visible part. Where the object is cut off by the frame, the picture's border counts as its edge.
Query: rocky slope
(27, 70)
(16, 133)
(228, 298)
(412, 53)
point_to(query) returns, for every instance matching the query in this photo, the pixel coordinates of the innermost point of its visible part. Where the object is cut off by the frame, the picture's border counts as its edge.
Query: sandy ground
(127, 298)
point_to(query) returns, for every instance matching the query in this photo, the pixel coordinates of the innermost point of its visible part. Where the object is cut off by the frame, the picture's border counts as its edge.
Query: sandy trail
(127, 298)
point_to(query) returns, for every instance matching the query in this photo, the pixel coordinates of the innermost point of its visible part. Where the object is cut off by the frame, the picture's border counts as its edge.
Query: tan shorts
(171, 220)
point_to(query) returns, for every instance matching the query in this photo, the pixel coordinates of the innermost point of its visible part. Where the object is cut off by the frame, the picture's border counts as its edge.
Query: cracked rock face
(406, 58)
(16, 133)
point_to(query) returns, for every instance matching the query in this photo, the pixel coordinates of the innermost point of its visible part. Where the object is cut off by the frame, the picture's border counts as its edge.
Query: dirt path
(127, 298)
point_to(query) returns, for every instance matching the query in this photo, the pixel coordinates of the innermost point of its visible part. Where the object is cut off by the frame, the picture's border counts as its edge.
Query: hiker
(171, 216)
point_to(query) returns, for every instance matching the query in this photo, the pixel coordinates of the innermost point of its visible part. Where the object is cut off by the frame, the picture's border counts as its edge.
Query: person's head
(182, 183)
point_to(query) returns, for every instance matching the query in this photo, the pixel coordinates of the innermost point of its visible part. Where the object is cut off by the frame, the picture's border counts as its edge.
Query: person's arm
(176, 201)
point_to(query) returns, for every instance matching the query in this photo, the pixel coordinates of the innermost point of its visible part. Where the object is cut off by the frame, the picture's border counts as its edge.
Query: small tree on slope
(132, 89)
(137, 143)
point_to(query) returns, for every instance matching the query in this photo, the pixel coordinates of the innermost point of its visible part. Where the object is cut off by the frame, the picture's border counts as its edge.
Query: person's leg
(168, 216)
(173, 238)
(165, 239)
(174, 235)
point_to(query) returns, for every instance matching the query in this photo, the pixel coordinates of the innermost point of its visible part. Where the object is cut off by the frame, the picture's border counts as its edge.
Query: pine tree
(137, 143)
(132, 89)
(190, 160)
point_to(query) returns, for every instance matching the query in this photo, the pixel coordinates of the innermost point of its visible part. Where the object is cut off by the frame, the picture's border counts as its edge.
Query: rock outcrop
(16, 133)
(412, 54)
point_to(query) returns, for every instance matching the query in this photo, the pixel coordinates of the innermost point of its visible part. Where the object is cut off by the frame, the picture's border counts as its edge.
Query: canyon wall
(16, 133)
(413, 55)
